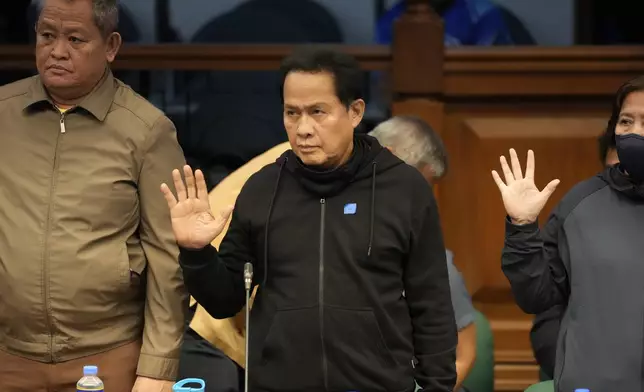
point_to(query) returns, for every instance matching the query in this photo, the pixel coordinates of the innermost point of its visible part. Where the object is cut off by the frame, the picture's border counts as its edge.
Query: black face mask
(630, 150)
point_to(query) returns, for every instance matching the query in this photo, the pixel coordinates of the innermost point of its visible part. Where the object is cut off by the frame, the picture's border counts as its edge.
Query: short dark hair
(344, 68)
(633, 85)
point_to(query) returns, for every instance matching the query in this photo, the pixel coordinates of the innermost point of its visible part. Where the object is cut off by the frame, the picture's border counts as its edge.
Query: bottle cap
(90, 370)
(582, 390)
(184, 385)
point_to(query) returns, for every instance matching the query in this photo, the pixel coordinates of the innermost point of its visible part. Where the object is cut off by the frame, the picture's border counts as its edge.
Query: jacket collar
(97, 102)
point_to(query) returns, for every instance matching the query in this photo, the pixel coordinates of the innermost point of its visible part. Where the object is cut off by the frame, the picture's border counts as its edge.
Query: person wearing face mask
(587, 258)
(545, 327)
(346, 245)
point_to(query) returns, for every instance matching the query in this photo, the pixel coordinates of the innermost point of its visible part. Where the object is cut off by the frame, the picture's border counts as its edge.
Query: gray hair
(414, 141)
(106, 15)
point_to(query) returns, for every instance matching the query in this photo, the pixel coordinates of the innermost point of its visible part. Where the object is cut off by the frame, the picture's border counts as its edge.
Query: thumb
(550, 188)
(223, 215)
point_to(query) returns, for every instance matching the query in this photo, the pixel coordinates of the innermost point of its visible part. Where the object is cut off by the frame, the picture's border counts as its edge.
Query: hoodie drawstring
(372, 213)
(268, 219)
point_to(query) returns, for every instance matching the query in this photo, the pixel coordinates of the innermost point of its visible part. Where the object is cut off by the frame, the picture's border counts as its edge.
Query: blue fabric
(466, 22)
(464, 312)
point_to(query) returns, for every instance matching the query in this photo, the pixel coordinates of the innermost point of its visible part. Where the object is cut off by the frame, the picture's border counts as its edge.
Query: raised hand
(522, 199)
(193, 223)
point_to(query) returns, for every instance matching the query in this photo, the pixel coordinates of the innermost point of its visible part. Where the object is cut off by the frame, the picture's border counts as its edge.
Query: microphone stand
(248, 281)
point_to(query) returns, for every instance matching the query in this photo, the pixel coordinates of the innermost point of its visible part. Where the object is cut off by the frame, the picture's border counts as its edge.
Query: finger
(529, 166)
(178, 185)
(516, 165)
(550, 188)
(507, 173)
(190, 182)
(498, 180)
(169, 197)
(202, 189)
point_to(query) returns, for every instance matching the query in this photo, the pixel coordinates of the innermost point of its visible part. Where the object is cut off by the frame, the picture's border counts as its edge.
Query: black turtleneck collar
(328, 183)
(621, 182)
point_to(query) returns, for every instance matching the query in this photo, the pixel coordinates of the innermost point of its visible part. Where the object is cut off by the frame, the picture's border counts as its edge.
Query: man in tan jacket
(88, 262)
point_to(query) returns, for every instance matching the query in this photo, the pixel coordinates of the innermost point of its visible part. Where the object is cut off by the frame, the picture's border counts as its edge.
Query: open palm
(193, 223)
(522, 199)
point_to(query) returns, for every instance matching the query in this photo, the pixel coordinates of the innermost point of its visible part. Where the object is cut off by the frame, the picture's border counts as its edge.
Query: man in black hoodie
(346, 246)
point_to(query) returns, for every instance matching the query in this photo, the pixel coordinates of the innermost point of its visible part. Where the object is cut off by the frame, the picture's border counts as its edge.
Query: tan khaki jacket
(228, 334)
(87, 252)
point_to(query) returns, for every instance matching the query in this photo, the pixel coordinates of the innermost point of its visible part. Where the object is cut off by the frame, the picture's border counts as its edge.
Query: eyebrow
(316, 104)
(628, 113)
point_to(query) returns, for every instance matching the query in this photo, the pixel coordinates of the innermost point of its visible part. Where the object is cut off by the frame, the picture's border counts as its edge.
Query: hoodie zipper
(325, 367)
(46, 290)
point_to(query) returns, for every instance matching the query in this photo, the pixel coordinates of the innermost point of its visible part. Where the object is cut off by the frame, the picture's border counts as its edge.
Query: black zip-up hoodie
(352, 274)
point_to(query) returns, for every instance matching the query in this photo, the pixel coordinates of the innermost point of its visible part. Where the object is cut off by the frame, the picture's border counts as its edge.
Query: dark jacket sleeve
(430, 305)
(533, 261)
(543, 337)
(216, 279)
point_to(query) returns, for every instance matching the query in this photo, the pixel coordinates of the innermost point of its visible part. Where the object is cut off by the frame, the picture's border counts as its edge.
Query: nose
(304, 127)
(60, 50)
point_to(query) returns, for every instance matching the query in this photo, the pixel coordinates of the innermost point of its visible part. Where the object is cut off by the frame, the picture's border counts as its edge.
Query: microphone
(248, 282)
(248, 275)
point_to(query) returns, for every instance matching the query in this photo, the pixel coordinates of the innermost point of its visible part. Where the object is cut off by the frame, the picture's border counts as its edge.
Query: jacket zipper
(325, 367)
(52, 186)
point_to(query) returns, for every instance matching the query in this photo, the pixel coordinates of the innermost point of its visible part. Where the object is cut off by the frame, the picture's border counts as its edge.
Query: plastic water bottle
(90, 381)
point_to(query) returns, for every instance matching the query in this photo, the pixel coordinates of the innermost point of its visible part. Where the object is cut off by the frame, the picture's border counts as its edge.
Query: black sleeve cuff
(511, 228)
(197, 257)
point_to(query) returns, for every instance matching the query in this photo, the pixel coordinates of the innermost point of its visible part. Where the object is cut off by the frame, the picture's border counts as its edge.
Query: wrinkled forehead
(304, 89)
(75, 14)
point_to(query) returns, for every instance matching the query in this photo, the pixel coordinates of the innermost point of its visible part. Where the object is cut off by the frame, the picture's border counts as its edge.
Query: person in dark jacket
(545, 327)
(346, 245)
(587, 258)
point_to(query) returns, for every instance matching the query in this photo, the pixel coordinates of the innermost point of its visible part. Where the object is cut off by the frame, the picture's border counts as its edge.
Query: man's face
(71, 52)
(319, 127)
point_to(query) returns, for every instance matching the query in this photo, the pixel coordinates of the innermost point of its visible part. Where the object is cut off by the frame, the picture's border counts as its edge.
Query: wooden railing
(468, 72)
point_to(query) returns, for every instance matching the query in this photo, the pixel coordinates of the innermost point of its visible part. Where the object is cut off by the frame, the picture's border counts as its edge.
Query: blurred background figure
(417, 144)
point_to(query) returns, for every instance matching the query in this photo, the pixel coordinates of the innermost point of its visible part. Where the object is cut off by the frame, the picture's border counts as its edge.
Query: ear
(356, 112)
(113, 42)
